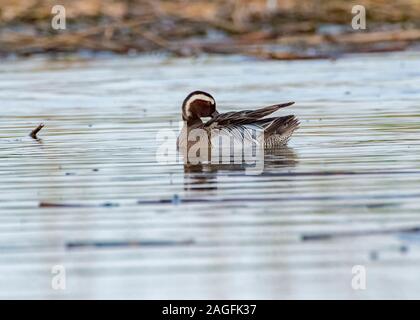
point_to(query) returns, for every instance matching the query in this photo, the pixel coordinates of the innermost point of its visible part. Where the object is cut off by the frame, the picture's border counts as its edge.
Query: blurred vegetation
(296, 28)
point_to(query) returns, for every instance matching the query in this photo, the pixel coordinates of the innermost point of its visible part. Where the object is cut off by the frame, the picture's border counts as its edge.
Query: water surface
(90, 195)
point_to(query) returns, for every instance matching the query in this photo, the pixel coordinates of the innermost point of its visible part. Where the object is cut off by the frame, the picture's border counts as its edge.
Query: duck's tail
(277, 131)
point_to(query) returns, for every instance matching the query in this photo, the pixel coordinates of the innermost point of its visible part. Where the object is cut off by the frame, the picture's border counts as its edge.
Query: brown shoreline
(289, 30)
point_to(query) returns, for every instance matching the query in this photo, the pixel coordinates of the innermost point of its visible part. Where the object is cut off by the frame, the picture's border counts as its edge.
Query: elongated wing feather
(244, 117)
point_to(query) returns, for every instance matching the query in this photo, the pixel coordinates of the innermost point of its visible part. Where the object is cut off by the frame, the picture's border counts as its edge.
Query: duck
(245, 127)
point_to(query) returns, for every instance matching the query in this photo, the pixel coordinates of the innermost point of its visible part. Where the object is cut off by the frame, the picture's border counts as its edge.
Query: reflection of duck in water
(248, 127)
(203, 176)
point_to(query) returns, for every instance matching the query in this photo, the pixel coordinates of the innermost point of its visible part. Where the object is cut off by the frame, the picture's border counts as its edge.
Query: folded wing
(244, 117)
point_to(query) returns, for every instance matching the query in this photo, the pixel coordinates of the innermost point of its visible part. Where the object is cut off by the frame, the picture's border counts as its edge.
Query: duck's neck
(193, 122)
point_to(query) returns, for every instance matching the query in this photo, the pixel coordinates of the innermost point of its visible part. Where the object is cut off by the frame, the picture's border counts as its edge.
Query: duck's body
(248, 126)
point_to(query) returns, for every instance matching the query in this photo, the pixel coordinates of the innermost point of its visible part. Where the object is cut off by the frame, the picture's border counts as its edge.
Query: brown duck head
(198, 104)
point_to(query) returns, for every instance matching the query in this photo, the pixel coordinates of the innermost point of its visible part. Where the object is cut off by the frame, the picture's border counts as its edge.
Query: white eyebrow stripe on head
(199, 97)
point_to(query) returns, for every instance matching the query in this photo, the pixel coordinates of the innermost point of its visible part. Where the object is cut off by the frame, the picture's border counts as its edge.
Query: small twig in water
(36, 130)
